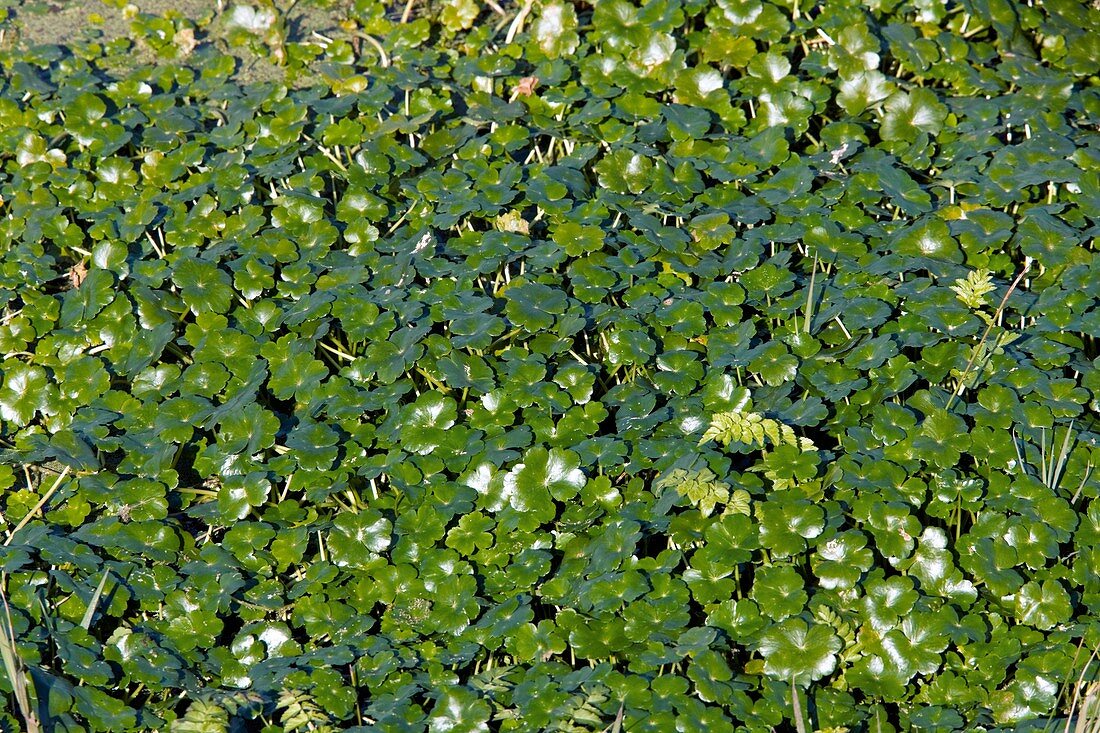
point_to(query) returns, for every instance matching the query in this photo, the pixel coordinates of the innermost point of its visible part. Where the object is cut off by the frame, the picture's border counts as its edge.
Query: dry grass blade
(810, 299)
(517, 23)
(41, 503)
(1019, 454)
(1052, 464)
(1085, 713)
(1084, 709)
(617, 724)
(1059, 465)
(15, 669)
(796, 704)
(1084, 480)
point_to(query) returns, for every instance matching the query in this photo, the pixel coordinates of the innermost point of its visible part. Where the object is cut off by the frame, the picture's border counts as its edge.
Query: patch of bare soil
(60, 22)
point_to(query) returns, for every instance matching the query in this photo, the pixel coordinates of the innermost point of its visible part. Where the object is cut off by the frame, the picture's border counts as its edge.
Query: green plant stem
(810, 299)
(989, 327)
(89, 614)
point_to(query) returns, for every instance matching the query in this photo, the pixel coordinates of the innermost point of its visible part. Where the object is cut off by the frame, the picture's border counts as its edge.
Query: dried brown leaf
(185, 41)
(77, 273)
(526, 86)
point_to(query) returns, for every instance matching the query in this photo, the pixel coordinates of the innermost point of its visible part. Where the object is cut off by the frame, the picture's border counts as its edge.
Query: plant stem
(810, 299)
(989, 327)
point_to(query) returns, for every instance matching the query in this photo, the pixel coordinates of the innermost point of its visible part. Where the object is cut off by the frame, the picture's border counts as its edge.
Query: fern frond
(973, 289)
(202, 716)
(753, 430)
(300, 712)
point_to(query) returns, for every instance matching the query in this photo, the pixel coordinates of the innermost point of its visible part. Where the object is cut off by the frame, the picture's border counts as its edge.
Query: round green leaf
(1043, 605)
(795, 651)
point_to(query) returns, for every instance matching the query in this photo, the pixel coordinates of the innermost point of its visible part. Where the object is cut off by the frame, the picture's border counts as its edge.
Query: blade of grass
(1019, 455)
(86, 622)
(617, 724)
(799, 723)
(1084, 480)
(1044, 467)
(1063, 453)
(810, 299)
(1089, 717)
(517, 23)
(1085, 708)
(14, 667)
(1063, 689)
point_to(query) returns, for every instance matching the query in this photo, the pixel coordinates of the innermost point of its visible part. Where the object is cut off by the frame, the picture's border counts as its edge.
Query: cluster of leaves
(377, 402)
(751, 429)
